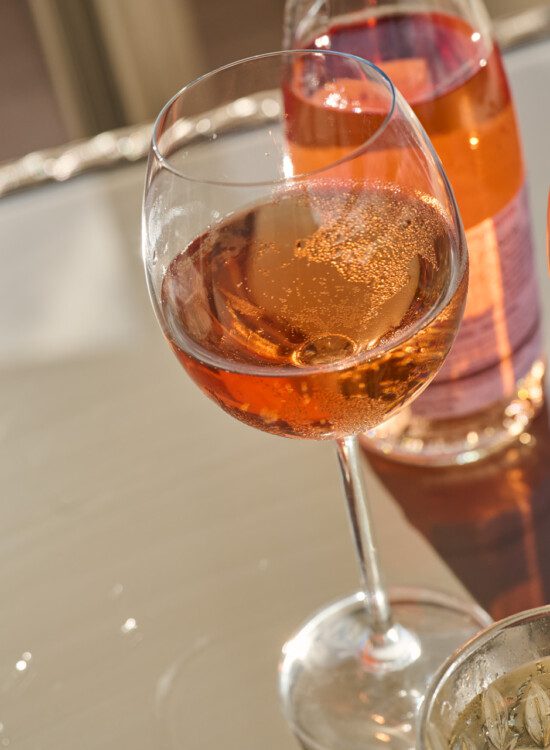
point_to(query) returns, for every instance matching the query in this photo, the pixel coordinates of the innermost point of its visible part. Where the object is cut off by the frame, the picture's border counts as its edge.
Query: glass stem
(389, 646)
(376, 598)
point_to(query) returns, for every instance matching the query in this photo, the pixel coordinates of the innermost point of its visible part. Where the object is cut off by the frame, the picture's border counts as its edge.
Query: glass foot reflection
(331, 698)
(221, 692)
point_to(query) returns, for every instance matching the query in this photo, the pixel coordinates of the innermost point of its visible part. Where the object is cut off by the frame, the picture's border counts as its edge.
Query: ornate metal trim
(131, 144)
(63, 162)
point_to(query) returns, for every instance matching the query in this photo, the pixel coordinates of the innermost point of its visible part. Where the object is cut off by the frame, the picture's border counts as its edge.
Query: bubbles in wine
(277, 312)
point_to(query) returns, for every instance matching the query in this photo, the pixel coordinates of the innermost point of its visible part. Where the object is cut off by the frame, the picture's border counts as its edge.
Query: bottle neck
(306, 20)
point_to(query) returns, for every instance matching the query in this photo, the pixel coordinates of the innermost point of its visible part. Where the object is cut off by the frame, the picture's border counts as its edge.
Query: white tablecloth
(140, 527)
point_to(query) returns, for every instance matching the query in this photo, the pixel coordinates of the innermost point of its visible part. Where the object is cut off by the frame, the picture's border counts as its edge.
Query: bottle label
(499, 338)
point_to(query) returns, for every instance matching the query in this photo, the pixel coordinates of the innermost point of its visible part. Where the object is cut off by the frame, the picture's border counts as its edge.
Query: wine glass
(511, 657)
(315, 304)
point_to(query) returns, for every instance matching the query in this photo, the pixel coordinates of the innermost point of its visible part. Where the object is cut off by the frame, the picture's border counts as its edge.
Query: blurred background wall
(72, 68)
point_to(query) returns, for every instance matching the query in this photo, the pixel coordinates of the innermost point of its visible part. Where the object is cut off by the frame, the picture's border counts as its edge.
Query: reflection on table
(489, 521)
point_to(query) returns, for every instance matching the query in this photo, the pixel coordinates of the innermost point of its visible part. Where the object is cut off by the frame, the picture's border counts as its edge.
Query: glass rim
(456, 660)
(459, 246)
(165, 161)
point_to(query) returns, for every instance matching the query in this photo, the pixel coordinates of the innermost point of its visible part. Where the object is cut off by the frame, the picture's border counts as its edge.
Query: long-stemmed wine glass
(315, 304)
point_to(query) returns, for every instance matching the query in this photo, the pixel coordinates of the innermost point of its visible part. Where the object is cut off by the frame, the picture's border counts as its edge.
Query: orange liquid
(297, 316)
(457, 87)
(458, 91)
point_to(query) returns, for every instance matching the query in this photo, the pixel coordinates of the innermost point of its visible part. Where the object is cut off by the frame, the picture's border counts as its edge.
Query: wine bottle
(443, 59)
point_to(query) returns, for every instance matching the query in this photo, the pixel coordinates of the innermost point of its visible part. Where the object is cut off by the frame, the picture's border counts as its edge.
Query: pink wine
(318, 314)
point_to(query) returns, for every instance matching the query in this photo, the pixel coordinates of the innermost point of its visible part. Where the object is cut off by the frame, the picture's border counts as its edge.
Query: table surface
(143, 532)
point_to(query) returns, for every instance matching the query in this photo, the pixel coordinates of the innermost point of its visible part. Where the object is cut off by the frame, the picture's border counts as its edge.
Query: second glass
(307, 264)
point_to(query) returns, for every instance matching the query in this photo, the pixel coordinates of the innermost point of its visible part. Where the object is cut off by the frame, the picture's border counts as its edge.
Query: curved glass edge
(456, 660)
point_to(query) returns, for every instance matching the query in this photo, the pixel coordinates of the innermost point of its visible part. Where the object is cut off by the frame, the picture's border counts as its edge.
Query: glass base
(220, 691)
(417, 440)
(332, 696)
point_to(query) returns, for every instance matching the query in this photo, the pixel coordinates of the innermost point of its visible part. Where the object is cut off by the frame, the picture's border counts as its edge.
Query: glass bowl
(500, 649)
